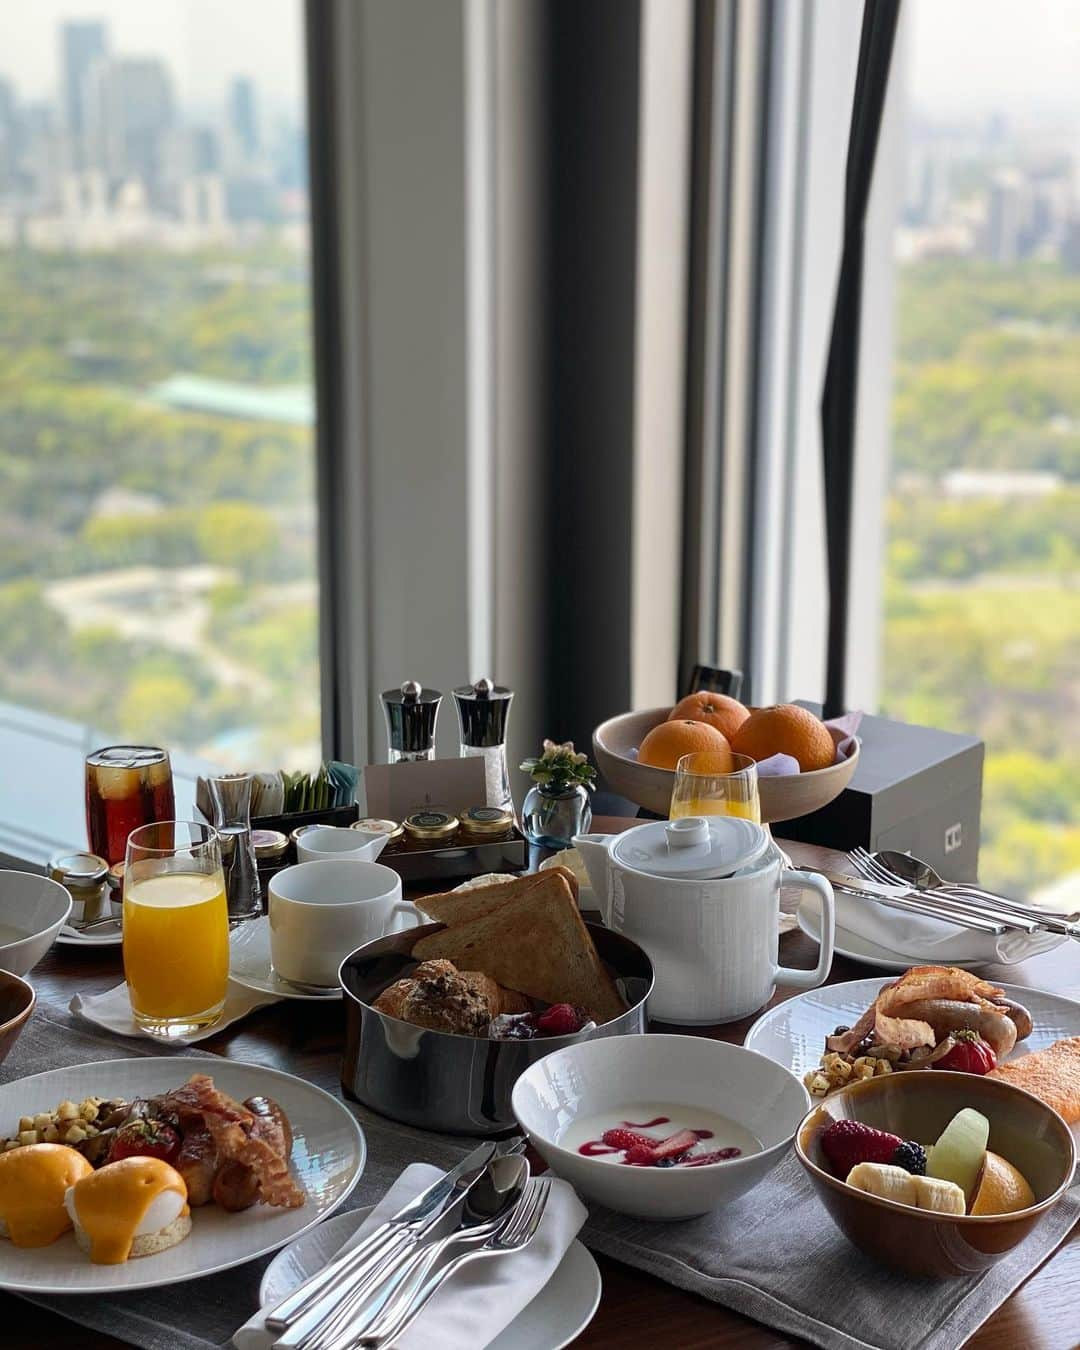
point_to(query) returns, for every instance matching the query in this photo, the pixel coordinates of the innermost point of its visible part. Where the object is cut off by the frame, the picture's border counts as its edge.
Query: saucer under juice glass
(701, 790)
(175, 928)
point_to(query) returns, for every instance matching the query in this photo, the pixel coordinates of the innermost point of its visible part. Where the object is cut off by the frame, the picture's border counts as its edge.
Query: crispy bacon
(200, 1106)
(919, 984)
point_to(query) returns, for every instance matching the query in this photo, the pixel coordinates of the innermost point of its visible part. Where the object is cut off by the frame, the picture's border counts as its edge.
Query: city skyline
(204, 44)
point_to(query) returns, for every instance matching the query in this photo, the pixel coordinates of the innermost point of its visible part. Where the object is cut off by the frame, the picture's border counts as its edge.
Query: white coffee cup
(321, 911)
(333, 842)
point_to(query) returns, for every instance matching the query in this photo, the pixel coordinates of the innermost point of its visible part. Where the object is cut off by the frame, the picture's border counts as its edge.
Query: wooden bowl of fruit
(637, 751)
(936, 1174)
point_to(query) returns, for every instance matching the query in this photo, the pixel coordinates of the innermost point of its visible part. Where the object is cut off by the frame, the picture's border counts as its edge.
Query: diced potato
(88, 1109)
(75, 1134)
(10, 1143)
(52, 1135)
(67, 1111)
(28, 1137)
(26, 1122)
(42, 1120)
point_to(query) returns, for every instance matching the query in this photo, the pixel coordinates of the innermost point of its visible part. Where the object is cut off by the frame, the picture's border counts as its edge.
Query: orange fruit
(718, 710)
(666, 744)
(710, 761)
(1001, 1188)
(786, 730)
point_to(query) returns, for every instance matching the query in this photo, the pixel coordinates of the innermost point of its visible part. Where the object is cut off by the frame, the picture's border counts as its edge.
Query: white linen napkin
(475, 1304)
(112, 1010)
(936, 941)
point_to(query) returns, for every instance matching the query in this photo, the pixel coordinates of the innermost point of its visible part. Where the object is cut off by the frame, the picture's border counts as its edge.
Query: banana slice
(945, 1197)
(886, 1182)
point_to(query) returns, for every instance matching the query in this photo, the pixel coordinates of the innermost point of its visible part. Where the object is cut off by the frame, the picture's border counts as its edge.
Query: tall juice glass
(176, 927)
(707, 786)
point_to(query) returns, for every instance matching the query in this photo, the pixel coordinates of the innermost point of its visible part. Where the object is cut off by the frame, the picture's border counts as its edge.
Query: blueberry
(666, 1162)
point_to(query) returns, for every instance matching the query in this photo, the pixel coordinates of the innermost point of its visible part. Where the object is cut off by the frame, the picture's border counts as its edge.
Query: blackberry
(911, 1157)
(839, 1031)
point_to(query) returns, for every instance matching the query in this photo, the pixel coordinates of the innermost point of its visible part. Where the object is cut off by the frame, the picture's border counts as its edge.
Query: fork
(518, 1231)
(967, 899)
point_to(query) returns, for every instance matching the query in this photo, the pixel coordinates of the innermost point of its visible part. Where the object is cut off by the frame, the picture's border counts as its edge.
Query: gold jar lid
(371, 825)
(268, 844)
(79, 873)
(486, 820)
(303, 829)
(430, 824)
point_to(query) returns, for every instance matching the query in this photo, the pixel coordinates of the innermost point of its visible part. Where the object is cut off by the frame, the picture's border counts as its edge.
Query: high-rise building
(83, 45)
(243, 116)
(133, 108)
(1008, 211)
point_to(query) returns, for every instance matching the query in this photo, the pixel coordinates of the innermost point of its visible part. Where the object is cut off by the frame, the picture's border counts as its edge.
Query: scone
(447, 1002)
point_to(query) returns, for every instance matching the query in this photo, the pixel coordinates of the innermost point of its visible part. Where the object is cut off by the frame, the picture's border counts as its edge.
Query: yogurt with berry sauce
(674, 1135)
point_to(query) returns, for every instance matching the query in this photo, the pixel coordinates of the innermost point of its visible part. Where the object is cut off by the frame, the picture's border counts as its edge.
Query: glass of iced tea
(126, 786)
(176, 927)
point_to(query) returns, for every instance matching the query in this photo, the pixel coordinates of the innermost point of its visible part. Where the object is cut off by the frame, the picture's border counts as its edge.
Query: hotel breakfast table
(636, 1308)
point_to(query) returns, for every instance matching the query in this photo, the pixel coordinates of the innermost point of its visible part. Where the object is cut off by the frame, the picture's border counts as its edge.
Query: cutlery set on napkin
(421, 1261)
(903, 906)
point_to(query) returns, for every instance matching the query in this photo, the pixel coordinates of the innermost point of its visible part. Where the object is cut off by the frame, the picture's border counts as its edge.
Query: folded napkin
(478, 1302)
(112, 1010)
(931, 940)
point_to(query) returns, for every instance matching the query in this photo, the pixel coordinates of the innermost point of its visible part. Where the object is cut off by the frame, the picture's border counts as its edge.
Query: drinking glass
(176, 927)
(126, 786)
(700, 790)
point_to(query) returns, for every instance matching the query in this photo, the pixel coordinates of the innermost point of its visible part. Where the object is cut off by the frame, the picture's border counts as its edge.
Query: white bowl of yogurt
(660, 1127)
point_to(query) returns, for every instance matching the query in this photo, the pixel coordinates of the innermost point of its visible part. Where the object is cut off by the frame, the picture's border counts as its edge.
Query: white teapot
(701, 895)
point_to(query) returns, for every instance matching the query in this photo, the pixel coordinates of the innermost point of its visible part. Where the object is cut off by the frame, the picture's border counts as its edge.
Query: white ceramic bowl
(33, 909)
(598, 1077)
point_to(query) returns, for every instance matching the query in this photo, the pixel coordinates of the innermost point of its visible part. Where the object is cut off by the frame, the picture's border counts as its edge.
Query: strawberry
(848, 1142)
(561, 1019)
(626, 1139)
(717, 1155)
(640, 1156)
(675, 1145)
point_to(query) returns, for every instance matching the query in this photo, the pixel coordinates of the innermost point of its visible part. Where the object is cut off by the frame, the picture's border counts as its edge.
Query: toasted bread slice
(475, 902)
(1053, 1075)
(536, 944)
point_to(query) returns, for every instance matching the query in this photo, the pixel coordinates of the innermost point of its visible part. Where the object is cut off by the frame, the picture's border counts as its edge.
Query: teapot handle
(810, 979)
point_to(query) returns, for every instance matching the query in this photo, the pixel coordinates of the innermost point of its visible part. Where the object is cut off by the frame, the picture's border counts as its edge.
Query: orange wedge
(1002, 1188)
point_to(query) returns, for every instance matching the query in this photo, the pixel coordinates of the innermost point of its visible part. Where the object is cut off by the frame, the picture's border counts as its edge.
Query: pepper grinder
(483, 712)
(411, 713)
(231, 795)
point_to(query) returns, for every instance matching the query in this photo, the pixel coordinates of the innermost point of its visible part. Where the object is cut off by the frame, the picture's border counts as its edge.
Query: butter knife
(408, 1225)
(895, 897)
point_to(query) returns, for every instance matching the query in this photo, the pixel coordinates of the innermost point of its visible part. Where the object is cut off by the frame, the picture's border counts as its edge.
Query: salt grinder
(411, 713)
(483, 712)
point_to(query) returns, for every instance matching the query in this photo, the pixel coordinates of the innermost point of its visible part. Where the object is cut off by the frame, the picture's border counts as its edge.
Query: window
(157, 478)
(981, 604)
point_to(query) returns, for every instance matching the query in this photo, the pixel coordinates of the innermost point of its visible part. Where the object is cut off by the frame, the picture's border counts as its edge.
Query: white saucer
(558, 1314)
(858, 948)
(77, 939)
(249, 964)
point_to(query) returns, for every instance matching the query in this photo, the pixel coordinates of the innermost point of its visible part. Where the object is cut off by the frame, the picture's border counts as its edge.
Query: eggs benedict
(33, 1182)
(134, 1207)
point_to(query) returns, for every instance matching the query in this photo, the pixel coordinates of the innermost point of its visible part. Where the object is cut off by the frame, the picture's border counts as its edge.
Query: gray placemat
(775, 1256)
(200, 1314)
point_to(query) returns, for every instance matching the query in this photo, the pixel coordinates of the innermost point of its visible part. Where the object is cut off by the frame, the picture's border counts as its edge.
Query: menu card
(395, 791)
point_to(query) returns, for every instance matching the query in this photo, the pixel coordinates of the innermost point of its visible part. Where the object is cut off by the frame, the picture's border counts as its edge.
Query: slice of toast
(476, 902)
(535, 943)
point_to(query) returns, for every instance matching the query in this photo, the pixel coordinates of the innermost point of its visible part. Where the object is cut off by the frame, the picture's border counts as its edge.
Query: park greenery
(981, 594)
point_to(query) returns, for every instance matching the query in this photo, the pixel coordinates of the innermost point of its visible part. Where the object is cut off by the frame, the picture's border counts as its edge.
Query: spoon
(923, 877)
(98, 924)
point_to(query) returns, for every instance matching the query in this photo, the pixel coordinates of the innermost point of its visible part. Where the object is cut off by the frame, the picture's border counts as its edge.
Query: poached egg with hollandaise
(34, 1180)
(134, 1207)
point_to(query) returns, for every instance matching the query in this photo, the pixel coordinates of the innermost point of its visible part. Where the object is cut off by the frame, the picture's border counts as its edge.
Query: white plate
(328, 1158)
(558, 1314)
(249, 963)
(793, 1033)
(858, 948)
(75, 939)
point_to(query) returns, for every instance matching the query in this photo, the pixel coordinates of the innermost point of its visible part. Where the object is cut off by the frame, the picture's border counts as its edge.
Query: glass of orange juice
(707, 784)
(176, 927)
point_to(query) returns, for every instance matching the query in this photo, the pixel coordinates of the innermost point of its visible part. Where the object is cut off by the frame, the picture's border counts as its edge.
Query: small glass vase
(551, 819)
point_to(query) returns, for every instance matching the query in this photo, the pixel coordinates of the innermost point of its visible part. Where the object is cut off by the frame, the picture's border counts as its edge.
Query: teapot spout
(594, 852)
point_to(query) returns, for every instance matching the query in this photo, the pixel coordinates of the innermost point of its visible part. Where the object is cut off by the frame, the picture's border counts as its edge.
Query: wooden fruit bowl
(782, 797)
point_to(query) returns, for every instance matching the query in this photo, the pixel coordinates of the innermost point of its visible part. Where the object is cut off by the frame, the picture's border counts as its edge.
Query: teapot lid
(693, 848)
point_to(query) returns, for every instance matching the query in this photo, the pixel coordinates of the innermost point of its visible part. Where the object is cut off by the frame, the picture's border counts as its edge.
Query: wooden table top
(636, 1309)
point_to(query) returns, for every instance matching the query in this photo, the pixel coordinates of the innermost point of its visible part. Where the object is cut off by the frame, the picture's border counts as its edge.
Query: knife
(896, 897)
(407, 1226)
